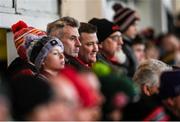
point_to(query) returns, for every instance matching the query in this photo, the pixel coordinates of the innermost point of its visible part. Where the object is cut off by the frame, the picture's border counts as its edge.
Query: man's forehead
(116, 33)
(70, 28)
(89, 37)
(72, 31)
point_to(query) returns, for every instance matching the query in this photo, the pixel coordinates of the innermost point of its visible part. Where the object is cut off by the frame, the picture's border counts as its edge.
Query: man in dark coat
(127, 18)
(110, 41)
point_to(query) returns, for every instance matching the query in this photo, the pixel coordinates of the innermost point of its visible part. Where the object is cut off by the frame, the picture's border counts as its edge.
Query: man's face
(89, 47)
(112, 44)
(170, 43)
(70, 40)
(139, 52)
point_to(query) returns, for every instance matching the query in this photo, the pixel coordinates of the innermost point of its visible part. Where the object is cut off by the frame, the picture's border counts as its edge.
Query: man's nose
(78, 43)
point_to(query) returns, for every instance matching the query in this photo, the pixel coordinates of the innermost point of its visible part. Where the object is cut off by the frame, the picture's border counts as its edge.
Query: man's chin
(92, 60)
(75, 55)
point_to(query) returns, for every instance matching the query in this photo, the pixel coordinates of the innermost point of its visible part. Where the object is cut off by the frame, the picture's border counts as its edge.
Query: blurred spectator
(93, 82)
(66, 29)
(127, 19)
(90, 99)
(170, 93)
(68, 99)
(47, 56)
(169, 45)
(110, 41)
(148, 33)
(149, 107)
(118, 91)
(20, 64)
(151, 51)
(31, 98)
(138, 47)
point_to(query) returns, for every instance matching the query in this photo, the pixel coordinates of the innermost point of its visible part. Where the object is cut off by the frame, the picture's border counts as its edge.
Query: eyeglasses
(116, 37)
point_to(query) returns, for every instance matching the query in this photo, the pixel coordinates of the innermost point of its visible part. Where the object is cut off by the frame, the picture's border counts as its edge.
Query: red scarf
(83, 63)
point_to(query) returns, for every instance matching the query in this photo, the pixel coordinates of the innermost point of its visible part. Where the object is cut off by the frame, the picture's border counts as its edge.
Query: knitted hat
(124, 17)
(169, 84)
(27, 93)
(20, 30)
(104, 28)
(41, 49)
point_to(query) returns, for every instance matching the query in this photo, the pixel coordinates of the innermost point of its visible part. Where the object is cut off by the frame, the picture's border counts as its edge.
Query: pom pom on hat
(116, 7)
(18, 26)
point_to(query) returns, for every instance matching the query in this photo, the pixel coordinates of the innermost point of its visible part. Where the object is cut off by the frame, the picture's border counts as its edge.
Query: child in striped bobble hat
(20, 65)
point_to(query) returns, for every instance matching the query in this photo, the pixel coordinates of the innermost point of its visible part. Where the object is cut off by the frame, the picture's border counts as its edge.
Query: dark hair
(60, 23)
(87, 28)
(138, 40)
(28, 92)
(164, 36)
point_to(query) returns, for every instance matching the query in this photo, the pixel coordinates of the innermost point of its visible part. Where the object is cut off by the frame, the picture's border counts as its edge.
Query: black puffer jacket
(73, 62)
(131, 61)
(19, 66)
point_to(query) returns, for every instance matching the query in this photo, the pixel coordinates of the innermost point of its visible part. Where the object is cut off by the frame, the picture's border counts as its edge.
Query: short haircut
(149, 71)
(60, 24)
(138, 40)
(87, 28)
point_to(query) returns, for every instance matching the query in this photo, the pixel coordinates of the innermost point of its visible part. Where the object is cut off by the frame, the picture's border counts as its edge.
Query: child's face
(132, 31)
(54, 59)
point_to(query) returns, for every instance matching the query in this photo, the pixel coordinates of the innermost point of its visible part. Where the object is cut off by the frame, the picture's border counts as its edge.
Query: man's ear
(146, 90)
(100, 45)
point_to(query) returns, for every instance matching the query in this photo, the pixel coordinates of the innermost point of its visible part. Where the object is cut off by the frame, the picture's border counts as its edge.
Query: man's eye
(72, 38)
(89, 44)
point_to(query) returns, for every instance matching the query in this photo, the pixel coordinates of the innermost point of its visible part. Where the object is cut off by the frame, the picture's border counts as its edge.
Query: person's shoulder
(17, 61)
(72, 61)
(171, 116)
(15, 64)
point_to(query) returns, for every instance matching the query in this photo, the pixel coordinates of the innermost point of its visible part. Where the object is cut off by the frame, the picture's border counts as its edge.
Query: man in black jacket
(169, 92)
(110, 41)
